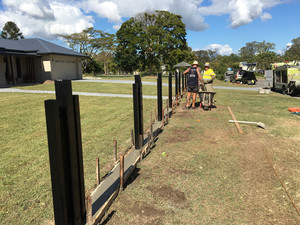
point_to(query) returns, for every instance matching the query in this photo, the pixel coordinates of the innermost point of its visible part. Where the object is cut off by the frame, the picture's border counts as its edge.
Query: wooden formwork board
(103, 196)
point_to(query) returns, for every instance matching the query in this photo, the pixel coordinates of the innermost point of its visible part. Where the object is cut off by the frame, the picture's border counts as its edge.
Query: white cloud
(244, 11)
(288, 45)
(106, 9)
(117, 26)
(266, 16)
(221, 49)
(46, 18)
(241, 12)
(114, 10)
(43, 18)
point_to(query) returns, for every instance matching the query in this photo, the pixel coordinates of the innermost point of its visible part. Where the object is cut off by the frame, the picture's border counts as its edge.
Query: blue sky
(281, 29)
(223, 25)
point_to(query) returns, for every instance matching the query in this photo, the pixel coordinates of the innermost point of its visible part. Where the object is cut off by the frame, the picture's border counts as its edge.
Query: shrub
(220, 76)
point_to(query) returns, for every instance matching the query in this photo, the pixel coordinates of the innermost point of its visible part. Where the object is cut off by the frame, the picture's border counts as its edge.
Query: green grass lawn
(94, 87)
(25, 187)
(144, 78)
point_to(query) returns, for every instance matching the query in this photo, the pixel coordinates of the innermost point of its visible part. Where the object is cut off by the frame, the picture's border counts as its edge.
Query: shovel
(259, 124)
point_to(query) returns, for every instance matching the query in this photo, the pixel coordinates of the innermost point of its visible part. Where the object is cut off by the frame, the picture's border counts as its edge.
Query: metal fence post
(136, 115)
(141, 114)
(138, 112)
(182, 83)
(159, 96)
(176, 83)
(64, 98)
(66, 157)
(170, 90)
(79, 155)
(179, 84)
(60, 200)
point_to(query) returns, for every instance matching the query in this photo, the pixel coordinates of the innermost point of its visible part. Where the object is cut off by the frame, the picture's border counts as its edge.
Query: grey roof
(35, 45)
(182, 64)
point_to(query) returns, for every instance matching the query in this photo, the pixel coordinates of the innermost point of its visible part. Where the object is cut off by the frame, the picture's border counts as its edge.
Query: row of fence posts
(65, 144)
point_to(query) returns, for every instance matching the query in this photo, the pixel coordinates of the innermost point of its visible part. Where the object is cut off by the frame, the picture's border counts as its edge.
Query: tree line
(149, 40)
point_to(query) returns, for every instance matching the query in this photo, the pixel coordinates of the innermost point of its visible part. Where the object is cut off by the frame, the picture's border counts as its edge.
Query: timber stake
(97, 171)
(121, 171)
(116, 150)
(236, 123)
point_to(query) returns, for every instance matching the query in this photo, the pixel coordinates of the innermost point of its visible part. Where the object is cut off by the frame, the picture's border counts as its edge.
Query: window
(277, 78)
(284, 76)
(47, 66)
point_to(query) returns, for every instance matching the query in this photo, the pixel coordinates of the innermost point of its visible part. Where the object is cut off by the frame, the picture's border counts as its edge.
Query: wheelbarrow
(206, 98)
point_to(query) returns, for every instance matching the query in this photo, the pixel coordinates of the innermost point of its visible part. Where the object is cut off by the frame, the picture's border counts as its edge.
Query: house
(36, 60)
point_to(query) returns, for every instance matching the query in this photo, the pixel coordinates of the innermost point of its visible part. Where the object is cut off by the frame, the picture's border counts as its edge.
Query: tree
(92, 42)
(293, 53)
(150, 40)
(249, 52)
(264, 60)
(204, 56)
(127, 52)
(11, 31)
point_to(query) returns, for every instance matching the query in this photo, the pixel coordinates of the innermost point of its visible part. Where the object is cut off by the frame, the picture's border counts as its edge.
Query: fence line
(70, 204)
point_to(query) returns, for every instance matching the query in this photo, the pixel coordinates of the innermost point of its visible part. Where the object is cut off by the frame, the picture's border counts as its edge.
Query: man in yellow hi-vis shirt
(208, 77)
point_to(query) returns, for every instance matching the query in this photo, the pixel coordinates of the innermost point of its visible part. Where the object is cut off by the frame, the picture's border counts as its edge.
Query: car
(244, 77)
(248, 78)
(261, 71)
(236, 76)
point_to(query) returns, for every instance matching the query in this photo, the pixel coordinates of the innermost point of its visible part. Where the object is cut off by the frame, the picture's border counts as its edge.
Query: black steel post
(60, 199)
(170, 90)
(183, 82)
(136, 115)
(141, 109)
(159, 97)
(176, 83)
(179, 84)
(79, 154)
(65, 153)
(64, 98)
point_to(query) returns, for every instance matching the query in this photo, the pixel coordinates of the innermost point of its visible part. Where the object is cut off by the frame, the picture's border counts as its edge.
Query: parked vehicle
(249, 78)
(244, 77)
(261, 71)
(286, 79)
(229, 72)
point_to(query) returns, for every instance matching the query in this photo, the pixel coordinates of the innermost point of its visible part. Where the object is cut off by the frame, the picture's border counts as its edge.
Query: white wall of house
(2, 72)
